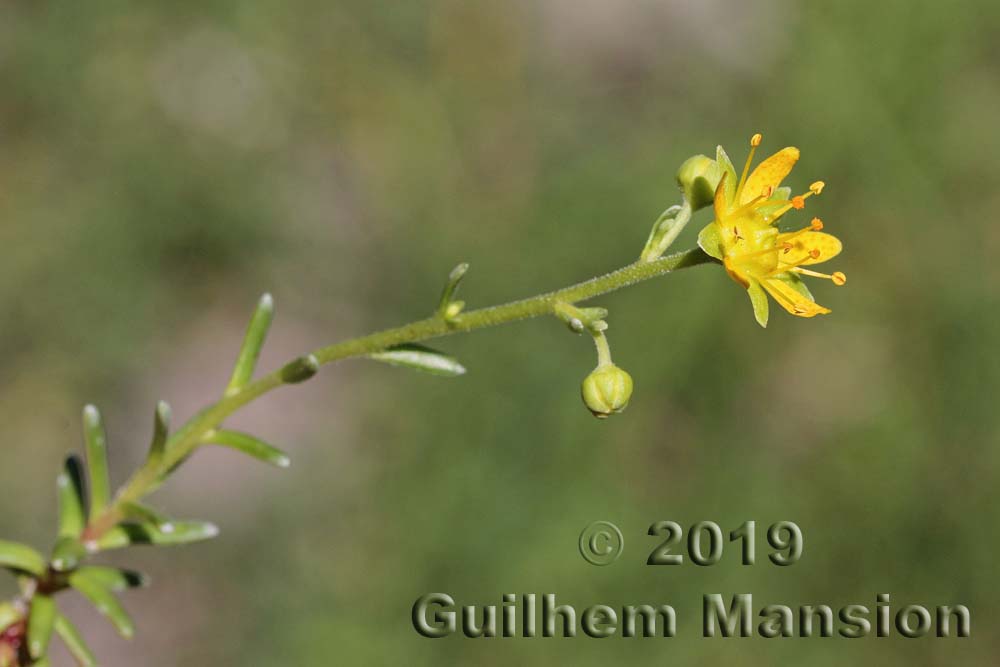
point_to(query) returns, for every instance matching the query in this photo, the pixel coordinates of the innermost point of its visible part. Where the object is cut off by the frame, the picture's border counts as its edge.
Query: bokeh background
(162, 164)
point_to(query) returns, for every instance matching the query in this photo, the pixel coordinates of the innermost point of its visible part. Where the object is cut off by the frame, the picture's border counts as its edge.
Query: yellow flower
(754, 252)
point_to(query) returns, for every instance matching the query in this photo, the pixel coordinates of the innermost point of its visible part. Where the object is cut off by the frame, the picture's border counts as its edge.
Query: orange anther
(814, 253)
(838, 278)
(816, 224)
(756, 139)
(798, 201)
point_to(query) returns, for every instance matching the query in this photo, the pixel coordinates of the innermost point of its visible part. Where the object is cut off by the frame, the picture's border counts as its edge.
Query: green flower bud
(606, 390)
(698, 177)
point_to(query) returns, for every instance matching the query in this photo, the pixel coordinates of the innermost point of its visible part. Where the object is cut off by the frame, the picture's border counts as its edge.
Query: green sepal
(104, 600)
(97, 460)
(74, 641)
(115, 579)
(796, 283)
(421, 358)
(72, 498)
(67, 554)
(730, 172)
(257, 330)
(41, 620)
(710, 241)
(167, 534)
(250, 445)
(758, 298)
(21, 557)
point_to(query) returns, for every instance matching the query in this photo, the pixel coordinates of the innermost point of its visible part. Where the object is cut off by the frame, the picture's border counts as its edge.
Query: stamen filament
(765, 251)
(746, 207)
(799, 201)
(838, 278)
(814, 226)
(785, 265)
(754, 143)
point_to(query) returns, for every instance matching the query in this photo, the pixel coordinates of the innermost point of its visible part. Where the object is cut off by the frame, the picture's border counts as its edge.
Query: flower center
(753, 250)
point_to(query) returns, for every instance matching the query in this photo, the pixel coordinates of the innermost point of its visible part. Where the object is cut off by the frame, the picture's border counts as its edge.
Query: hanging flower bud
(606, 390)
(698, 177)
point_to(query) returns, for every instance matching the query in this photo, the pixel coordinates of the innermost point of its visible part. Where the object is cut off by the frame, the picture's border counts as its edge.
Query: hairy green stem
(183, 442)
(198, 429)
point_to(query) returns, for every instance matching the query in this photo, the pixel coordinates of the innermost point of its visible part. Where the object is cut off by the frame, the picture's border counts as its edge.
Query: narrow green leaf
(118, 537)
(249, 445)
(420, 358)
(72, 498)
(97, 460)
(246, 362)
(104, 600)
(181, 532)
(74, 641)
(9, 615)
(665, 231)
(116, 579)
(168, 534)
(141, 513)
(40, 621)
(67, 554)
(161, 428)
(451, 288)
(581, 319)
(299, 370)
(16, 556)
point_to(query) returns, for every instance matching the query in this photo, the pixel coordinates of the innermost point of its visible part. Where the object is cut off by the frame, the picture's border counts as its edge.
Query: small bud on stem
(607, 390)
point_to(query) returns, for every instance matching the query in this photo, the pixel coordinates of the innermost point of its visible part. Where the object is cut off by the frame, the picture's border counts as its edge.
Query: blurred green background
(163, 164)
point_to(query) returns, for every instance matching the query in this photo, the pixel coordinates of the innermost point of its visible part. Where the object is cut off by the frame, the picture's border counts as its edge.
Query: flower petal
(792, 300)
(769, 173)
(808, 248)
